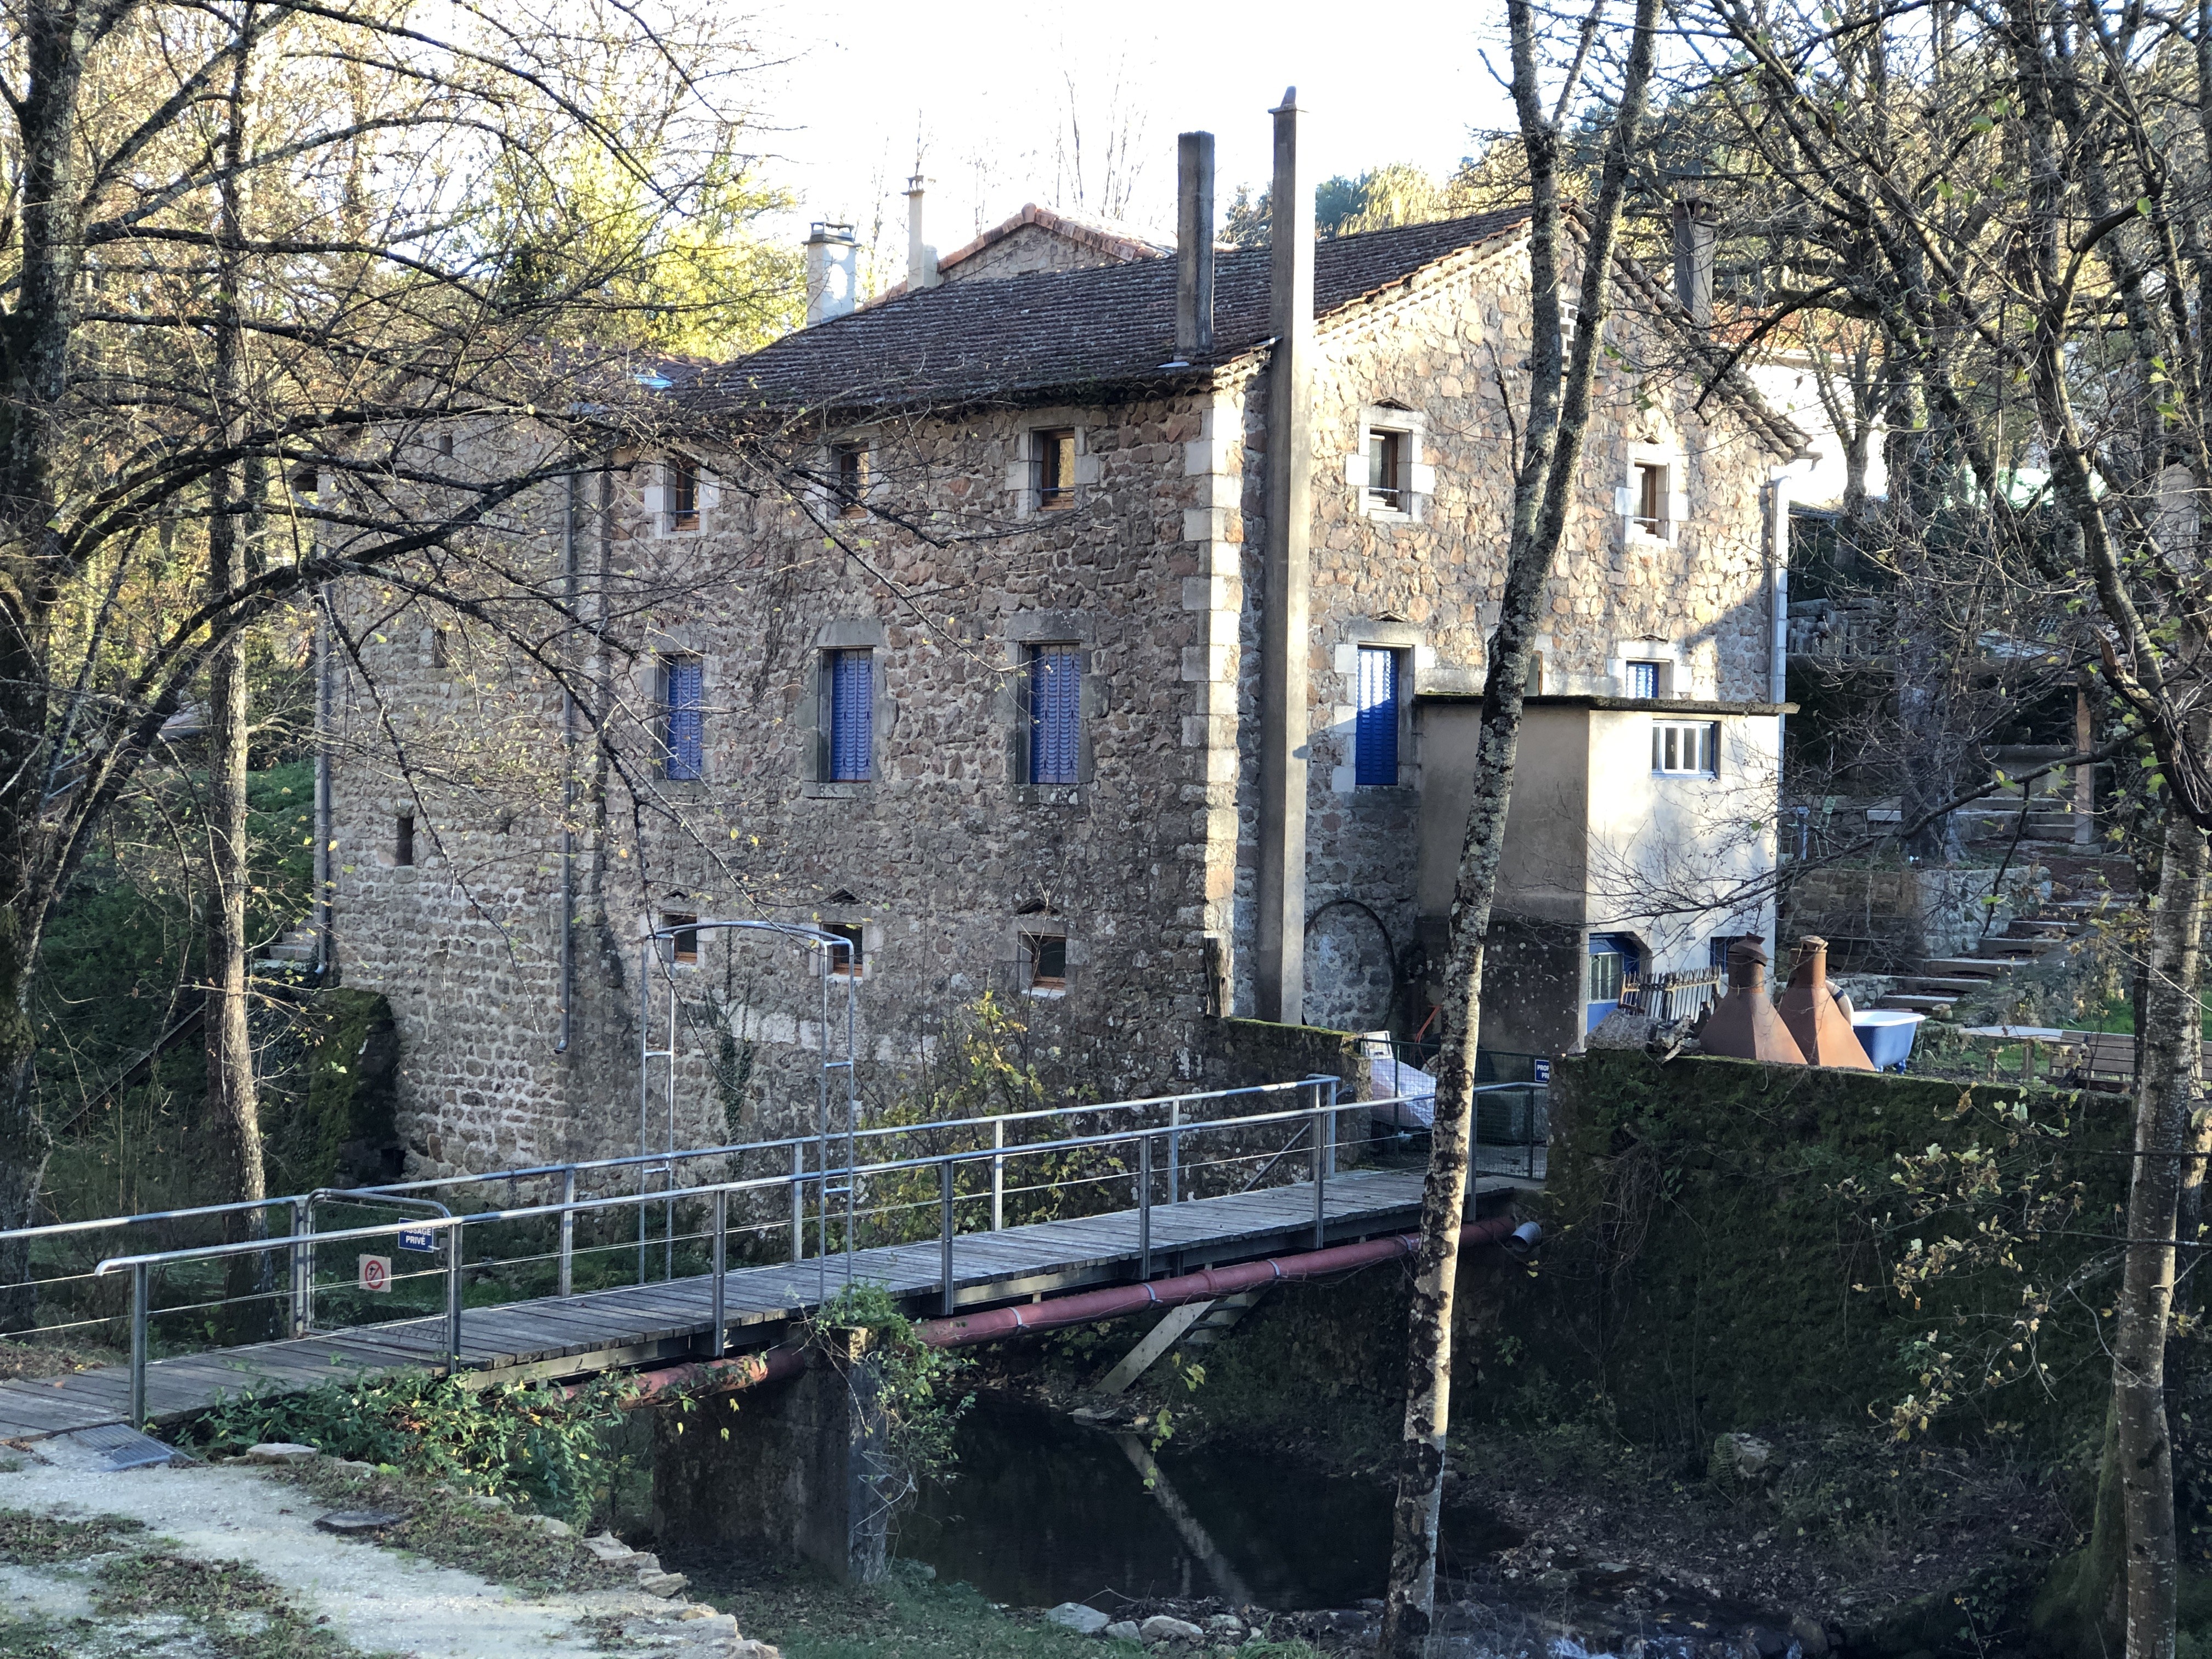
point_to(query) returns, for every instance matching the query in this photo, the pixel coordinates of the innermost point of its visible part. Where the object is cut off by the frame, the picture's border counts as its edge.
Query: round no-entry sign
(376, 1273)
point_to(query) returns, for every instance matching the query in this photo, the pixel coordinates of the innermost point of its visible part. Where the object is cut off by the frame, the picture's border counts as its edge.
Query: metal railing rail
(1318, 1120)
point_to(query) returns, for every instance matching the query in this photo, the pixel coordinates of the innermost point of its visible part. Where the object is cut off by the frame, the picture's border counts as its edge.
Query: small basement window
(853, 958)
(684, 940)
(1651, 497)
(1046, 958)
(1055, 469)
(848, 479)
(1685, 747)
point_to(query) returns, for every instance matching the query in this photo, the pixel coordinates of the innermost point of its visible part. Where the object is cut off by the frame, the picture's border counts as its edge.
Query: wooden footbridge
(1273, 1174)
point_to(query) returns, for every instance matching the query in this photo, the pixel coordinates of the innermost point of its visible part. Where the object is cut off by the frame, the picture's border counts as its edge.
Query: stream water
(1041, 1510)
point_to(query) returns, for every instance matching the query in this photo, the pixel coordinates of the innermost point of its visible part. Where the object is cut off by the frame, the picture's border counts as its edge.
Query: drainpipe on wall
(572, 492)
(1777, 577)
(326, 950)
(1284, 646)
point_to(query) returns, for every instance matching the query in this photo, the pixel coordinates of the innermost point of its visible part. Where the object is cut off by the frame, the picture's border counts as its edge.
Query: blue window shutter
(1644, 679)
(1056, 707)
(686, 720)
(852, 715)
(1375, 738)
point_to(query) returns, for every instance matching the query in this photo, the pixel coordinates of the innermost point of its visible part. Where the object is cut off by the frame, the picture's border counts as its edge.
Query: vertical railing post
(721, 1267)
(568, 1232)
(1175, 1152)
(303, 1284)
(998, 1174)
(1334, 1085)
(456, 1247)
(944, 1230)
(139, 1272)
(799, 1201)
(1144, 1207)
(1319, 1119)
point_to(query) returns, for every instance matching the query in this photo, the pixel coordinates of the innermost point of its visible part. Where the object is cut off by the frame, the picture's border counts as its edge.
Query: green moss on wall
(1723, 1234)
(343, 1131)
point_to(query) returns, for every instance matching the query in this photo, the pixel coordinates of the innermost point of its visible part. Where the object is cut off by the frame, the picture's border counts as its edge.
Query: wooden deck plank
(630, 1318)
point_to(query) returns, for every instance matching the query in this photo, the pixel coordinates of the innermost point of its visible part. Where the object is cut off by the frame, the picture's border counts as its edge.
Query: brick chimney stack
(1284, 630)
(832, 273)
(1194, 245)
(920, 257)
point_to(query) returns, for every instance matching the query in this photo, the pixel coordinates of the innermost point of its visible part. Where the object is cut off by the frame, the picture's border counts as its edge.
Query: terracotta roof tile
(1020, 338)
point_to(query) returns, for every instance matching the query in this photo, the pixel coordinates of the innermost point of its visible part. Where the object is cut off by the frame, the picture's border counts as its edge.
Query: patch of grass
(809, 1616)
(495, 1544)
(32, 1540)
(40, 1639)
(243, 1615)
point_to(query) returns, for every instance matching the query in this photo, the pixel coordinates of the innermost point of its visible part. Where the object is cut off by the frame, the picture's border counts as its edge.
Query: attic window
(1054, 451)
(851, 958)
(1045, 957)
(1651, 497)
(848, 480)
(681, 482)
(683, 932)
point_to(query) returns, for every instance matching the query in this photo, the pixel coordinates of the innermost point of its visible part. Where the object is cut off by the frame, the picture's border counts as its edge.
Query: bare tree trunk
(1558, 414)
(231, 1091)
(2164, 1101)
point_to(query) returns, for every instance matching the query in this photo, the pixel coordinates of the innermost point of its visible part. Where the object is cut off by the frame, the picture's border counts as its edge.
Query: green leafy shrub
(535, 1440)
(911, 1380)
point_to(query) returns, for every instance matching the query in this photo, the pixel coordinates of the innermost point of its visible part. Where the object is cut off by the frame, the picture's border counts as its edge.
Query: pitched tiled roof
(1058, 335)
(1020, 338)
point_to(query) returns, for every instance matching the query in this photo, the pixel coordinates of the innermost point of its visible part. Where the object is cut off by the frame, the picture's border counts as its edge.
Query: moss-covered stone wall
(1722, 1233)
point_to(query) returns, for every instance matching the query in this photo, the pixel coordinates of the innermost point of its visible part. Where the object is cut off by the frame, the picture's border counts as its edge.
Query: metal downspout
(325, 956)
(574, 489)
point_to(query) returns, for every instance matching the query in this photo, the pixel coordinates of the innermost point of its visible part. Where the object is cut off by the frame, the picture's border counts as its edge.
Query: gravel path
(382, 1601)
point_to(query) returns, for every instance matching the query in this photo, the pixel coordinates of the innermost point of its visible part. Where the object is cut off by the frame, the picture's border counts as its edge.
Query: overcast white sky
(985, 90)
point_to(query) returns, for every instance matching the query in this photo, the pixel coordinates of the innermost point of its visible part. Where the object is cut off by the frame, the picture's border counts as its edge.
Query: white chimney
(920, 257)
(1194, 245)
(832, 273)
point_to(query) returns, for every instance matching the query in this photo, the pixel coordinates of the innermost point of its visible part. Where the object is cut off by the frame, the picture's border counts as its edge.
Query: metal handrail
(1320, 1117)
(630, 1160)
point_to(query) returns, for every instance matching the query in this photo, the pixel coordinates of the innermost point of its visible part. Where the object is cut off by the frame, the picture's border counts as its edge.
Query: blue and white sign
(1543, 1071)
(417, 1238)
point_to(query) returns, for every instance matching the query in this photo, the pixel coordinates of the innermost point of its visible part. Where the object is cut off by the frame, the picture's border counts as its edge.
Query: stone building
(1103, 636)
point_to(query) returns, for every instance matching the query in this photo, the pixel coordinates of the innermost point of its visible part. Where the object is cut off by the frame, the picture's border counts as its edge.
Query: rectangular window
(1644, 679)
(403, 840)
(682, 486)
(437, 648)
(1046, 955)
(1685, 747)
(1055, 469)
(852, 716)
(446, 444)
(1386, 455)
(1607, 967)
(848, 486)
(851, 957)
(683, 718)
(1717, 948)
(683, 941)
(1375, 733)
(1055, 693)
(1651, 497)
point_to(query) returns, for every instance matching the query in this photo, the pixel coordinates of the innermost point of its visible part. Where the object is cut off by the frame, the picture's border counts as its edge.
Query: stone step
(1933, 984)
(2007, 945)
(2047, 926)
(1915, 1004)
(1975, 967)
(289, 951)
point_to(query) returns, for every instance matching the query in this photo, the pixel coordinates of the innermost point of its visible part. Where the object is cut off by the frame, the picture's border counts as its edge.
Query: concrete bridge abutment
(798, 1470)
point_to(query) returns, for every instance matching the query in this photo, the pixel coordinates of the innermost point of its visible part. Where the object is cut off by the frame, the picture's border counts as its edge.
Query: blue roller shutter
(1055, 710)
(852, 715)
(1375, 738)
(686, 719)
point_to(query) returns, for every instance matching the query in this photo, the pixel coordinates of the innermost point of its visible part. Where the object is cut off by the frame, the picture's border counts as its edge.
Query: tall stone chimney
(1283, 627)
(832, 273)
(1194, 245)
(920, 257)
(1697, 228)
